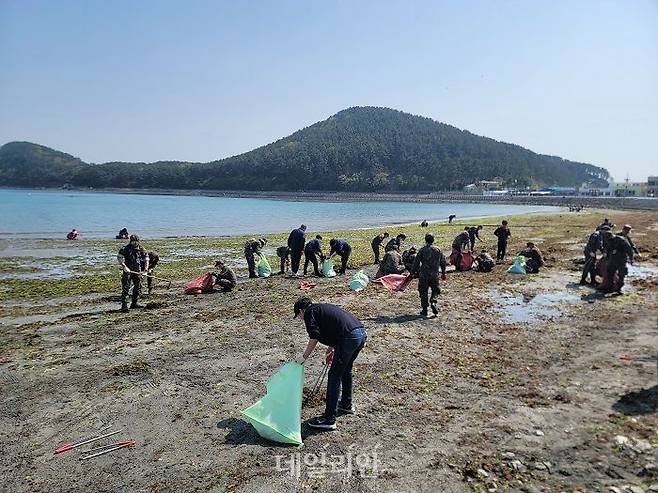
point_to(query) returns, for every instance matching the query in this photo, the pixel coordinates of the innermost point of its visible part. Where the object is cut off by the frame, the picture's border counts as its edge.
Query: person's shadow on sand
(398, 319)
(242, 433)
(636, 403)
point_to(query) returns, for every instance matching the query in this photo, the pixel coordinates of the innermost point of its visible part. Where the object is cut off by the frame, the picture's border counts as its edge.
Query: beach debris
(307, 285)
(626, 357)
(106, 449)
(70, 446)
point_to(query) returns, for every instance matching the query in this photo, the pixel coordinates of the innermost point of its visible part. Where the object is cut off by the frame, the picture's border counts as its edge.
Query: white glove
(126, 269)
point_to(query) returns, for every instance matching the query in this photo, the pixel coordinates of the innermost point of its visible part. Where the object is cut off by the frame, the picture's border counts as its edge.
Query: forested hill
(358, 149)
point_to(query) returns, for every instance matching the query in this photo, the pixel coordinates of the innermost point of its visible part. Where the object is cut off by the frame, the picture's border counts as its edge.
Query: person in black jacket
(503, 233)
(345, 334)
(376, 243)
(313, 253)
(398, 240)
(252, 248)
(296, 242)
(473, 233)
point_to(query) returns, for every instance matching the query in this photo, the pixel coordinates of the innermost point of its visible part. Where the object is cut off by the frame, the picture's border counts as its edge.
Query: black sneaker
(346, 410)
(124, 308)
(435, 310)
(136, 305)
(322, 423)
(423, 312)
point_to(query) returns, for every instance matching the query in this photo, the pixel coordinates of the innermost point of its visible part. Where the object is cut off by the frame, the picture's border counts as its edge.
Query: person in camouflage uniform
(429, 260)
(253, 247)
(225, 278)
(408, 257)
(618, 251)
(391, 263)
(134, 261)
(154, 259)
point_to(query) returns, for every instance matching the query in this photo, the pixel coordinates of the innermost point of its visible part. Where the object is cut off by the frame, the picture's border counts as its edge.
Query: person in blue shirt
(296, 242)
(343, 250)
(346, 336)
(313, 253)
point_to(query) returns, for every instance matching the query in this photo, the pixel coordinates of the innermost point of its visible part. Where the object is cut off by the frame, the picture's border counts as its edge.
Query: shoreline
(23, 236)
(620, 203)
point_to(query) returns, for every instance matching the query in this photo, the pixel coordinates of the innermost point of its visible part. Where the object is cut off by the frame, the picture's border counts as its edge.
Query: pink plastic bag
(200, 285)
(394, 282)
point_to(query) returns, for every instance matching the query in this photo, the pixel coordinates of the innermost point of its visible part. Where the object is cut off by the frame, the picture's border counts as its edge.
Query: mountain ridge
(361, 148)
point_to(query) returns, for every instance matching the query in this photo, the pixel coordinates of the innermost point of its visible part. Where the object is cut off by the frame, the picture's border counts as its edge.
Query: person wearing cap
(391, 263)
(225, 278)
(312, 254)
(594, 245)
(343, 250)
(134, 262)
(253, 247)
(296, 243)
(398, 240)
(376, 243)
(429, 260)
(535, 259)
(343, 333)
(503, 233)
(625, 232)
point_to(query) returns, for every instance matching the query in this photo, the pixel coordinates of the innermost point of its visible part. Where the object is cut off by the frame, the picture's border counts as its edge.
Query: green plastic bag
(359, 281)
(328, 268)
(278, 415)
(518, 267)
(264, 269)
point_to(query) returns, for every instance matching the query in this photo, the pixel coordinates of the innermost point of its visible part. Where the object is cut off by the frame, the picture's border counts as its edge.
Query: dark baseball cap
(301, 304)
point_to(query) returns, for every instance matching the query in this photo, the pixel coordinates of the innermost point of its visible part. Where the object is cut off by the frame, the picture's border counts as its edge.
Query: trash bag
(278, 415)
(328, 268)
(394, 282)
(359, 281)
(518, 267)
(466, 261)
(263, 267)
(202, 284)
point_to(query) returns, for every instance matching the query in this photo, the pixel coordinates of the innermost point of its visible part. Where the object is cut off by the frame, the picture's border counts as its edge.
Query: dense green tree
(358, 149)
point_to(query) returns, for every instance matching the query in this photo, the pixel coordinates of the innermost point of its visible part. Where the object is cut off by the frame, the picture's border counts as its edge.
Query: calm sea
(51, 214)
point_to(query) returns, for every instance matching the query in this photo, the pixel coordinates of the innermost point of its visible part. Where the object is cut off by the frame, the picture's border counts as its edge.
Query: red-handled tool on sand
(70, 446)
(106, 449)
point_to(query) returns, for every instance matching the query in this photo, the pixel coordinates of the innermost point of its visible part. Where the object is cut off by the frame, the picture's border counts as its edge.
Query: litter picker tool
(153, 277)
(70, 446)
(318, 383)
(106, 449)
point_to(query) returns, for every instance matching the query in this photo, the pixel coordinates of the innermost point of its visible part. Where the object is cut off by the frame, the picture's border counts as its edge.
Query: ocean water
(51, 214)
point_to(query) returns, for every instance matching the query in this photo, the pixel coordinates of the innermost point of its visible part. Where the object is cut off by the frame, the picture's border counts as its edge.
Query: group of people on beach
(607, 255)
(340, 331)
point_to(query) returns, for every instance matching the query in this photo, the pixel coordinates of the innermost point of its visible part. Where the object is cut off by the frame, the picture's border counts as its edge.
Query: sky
(203, 80)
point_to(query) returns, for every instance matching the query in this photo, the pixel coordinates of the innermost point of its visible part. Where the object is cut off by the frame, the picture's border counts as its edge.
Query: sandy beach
(529, 383)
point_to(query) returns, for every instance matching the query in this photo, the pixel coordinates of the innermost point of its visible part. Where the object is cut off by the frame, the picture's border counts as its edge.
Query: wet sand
(523, 383)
